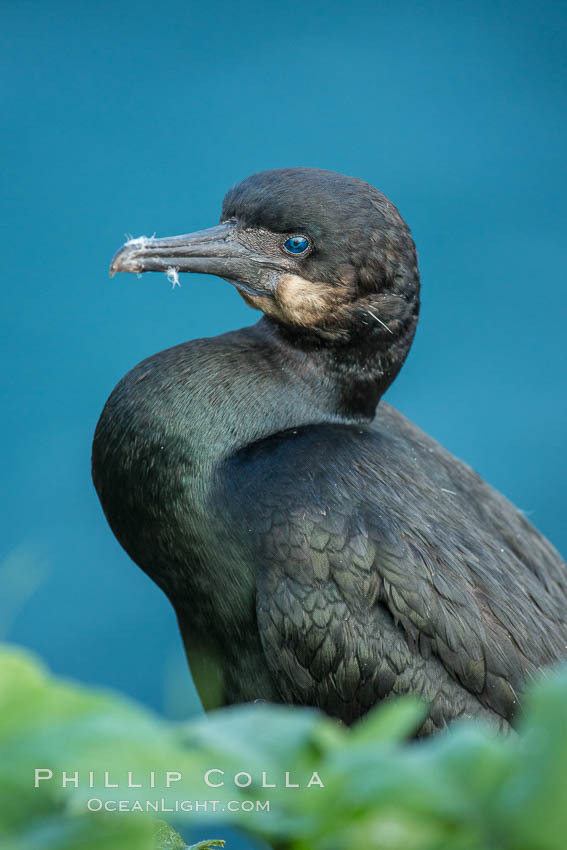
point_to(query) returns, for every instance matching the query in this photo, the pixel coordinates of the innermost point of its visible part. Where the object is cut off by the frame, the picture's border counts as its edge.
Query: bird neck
(347, 377)
(219, 394)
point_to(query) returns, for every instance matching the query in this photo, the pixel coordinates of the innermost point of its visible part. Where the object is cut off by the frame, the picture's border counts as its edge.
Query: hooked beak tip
(128, 258)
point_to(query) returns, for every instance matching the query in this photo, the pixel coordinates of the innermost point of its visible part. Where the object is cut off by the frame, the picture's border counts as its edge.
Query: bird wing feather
(366, 587)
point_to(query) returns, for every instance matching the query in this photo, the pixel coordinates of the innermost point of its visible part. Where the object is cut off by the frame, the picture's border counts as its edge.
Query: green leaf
(532, 805)
(394, 720)
(166, 838)
(466, 789)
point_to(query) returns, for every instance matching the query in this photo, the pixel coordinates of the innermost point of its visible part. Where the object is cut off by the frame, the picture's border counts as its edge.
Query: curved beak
(213, 251)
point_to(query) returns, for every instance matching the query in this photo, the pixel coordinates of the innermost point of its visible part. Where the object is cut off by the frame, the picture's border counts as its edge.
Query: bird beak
(213, 251)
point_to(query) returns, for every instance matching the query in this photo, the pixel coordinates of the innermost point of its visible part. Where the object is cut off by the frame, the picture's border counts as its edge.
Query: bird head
(310, 248)
(327, 258)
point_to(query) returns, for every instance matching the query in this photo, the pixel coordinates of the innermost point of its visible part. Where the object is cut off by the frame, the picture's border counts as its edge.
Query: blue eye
(296, 244)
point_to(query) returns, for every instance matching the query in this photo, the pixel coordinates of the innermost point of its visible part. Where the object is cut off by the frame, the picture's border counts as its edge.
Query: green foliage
(464, 790)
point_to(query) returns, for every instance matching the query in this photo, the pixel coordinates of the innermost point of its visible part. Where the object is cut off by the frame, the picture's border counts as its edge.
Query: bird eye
(296, 244)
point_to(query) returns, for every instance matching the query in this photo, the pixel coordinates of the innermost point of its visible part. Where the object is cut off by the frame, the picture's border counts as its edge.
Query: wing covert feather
(370, 584)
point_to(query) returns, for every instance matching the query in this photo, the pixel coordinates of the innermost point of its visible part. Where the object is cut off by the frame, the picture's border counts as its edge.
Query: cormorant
(317, 547)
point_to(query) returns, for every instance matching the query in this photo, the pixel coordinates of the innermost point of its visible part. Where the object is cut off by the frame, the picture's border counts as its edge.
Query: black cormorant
(317, 547)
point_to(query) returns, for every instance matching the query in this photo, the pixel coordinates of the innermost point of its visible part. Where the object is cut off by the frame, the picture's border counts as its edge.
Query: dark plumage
(317, 550)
